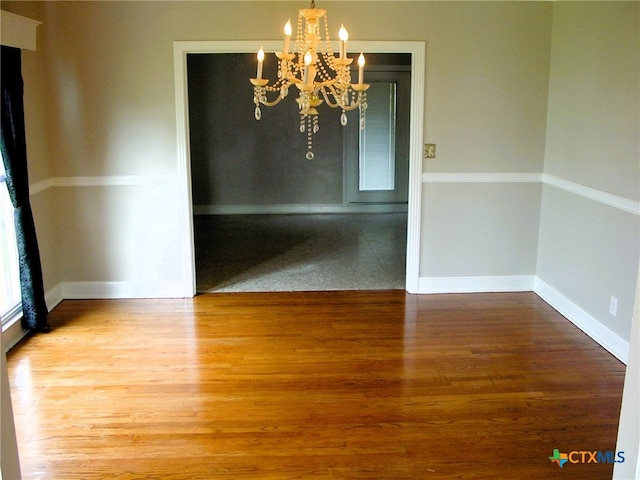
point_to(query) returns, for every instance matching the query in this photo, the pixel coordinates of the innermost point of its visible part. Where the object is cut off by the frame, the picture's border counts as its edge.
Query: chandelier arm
(337, 104)
(273, 103)
(260, 97)
(327, 83)
(326, 97)
(351, 107)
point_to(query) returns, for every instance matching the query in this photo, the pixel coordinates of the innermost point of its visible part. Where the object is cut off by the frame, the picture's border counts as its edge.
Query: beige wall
(112, 92)
(589, 250)
(594, 96)
(486, 89)
(486, 85)
(480, 229)
(112, 104)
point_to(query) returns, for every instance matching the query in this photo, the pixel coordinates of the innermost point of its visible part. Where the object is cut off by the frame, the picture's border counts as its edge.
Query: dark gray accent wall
(237, 160)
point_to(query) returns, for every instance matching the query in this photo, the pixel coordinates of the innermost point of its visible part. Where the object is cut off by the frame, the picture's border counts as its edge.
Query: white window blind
(377, 157)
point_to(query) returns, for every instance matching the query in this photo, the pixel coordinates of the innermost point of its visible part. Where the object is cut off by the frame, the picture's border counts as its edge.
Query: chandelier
(318, 73)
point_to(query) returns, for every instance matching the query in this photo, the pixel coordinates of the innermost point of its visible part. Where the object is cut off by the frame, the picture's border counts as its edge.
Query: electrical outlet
(429, 150)
(613, 306)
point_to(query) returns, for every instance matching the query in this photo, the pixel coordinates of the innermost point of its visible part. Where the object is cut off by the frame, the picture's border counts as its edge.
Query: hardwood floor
(341, 385)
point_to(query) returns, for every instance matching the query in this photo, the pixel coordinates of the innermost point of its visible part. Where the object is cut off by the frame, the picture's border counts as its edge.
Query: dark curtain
(14, 155)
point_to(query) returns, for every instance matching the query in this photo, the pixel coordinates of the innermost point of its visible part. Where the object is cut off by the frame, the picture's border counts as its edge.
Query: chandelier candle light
(316, 71)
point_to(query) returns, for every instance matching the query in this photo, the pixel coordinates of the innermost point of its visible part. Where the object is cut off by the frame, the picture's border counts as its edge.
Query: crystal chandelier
(316, 71)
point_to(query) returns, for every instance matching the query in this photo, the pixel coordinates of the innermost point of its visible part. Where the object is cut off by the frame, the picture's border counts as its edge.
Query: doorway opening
(260, 168)
(414, 49)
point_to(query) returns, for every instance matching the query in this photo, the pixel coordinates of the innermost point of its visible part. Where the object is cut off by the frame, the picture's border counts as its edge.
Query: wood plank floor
(341, 385)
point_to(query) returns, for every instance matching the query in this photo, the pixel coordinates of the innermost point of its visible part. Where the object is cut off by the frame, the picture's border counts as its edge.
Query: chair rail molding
(616, 201)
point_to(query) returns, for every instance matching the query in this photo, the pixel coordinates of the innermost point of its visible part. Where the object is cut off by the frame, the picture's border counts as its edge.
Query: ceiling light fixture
(316, 71)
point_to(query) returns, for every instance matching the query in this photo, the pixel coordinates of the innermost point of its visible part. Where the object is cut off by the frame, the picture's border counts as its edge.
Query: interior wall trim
(13, 333)
(288, 209)
(416, 132)
(590, 325)
(102, 181)
(18, 31)
(483, 177)
(119, 290)
(481, 284)
(616, 201)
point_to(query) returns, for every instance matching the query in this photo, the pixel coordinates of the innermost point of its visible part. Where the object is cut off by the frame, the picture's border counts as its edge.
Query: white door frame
(417, 51)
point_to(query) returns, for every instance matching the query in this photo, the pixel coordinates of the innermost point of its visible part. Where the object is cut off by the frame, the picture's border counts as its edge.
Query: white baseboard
(12, 334)
(298, 209)
(53, 297)
(608, 339)
(512, 283)
(103, 290)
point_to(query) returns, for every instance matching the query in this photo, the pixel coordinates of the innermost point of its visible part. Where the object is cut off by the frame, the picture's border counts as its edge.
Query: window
(378, 139)
(376, 159)
(10, 301)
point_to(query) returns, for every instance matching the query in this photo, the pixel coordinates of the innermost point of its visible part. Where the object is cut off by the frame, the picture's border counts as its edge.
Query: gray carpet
(266, 253)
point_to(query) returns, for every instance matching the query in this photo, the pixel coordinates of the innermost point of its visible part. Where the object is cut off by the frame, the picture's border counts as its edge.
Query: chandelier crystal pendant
(319, 74)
